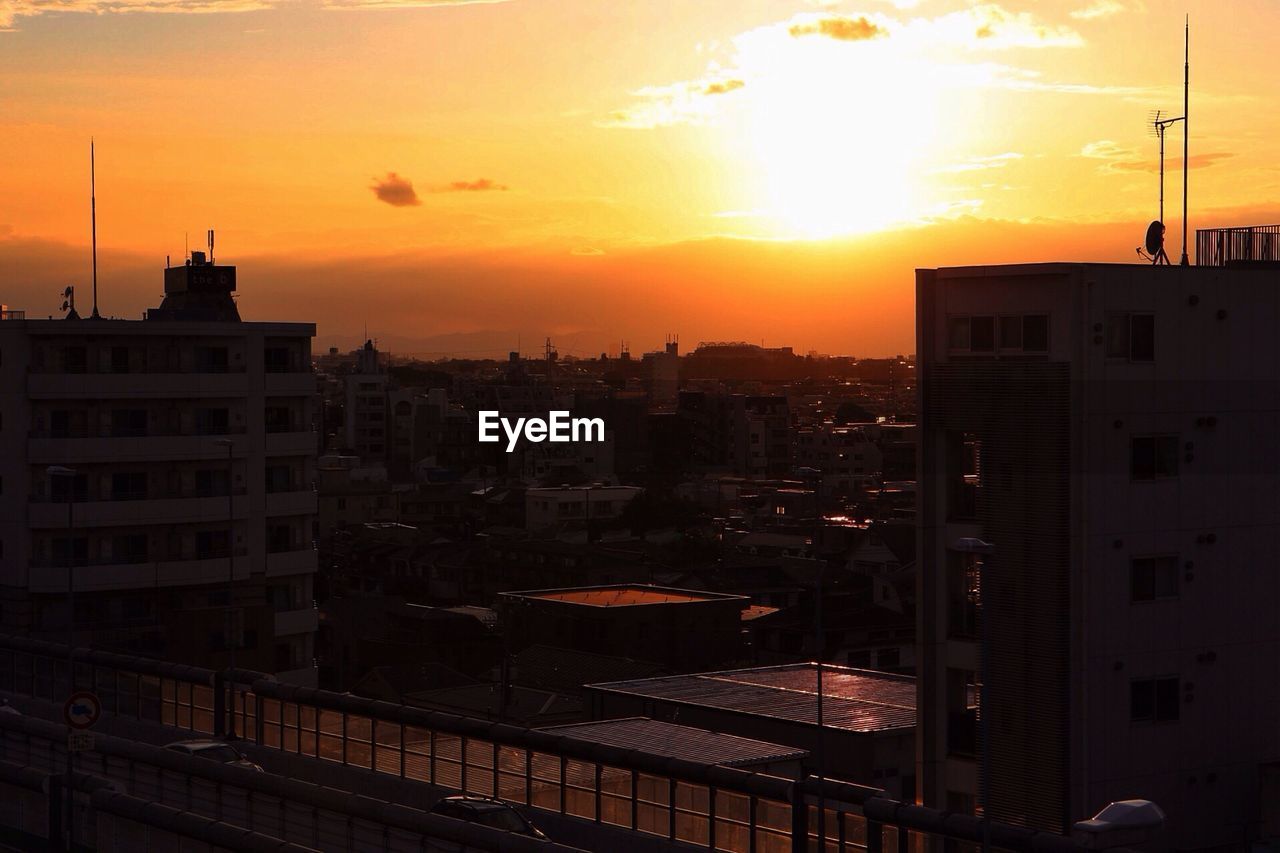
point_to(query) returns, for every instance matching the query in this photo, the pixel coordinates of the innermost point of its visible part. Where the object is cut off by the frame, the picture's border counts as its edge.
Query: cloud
(840, 28)
(722, 87)
(687, 102)
(395, 191)
(975, 164)
(11, 10)
(1098, 9)
(1119, 159)
(479, 185)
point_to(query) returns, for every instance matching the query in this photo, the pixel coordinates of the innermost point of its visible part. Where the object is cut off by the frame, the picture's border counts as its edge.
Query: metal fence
(1217, 247)
(717, 808)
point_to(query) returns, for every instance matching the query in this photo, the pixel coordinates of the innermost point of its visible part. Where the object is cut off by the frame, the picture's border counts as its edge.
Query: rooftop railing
(713, 807)
(1220, 247)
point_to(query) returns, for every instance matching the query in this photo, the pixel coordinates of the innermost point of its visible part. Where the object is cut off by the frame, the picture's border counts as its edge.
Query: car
(488, 811)
(214, 750)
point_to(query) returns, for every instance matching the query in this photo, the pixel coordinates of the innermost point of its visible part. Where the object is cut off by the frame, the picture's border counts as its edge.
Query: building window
(1035, 333)
(1131, 337)
(1011, 332)
(1154, 457)
(211, 544)
(129, 486)
(128, 423)
(1154, 700)
(1153, 578)
(213, 422)
(129, 548)
(958, 333)
(211, 359)
(279, 479)
(212, 483)
(982, 334)
(119, 359)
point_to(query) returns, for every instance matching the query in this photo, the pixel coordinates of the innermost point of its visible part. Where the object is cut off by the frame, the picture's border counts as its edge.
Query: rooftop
(622, 595)
(669, 740)
(856, 700)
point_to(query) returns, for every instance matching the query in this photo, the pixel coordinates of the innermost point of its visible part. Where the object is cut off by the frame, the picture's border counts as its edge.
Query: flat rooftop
(623, 595)
(670, 740)
(856, 700)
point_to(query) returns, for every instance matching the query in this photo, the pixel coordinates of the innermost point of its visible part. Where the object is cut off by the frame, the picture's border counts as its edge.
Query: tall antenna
(1186, 131)
(93, 226)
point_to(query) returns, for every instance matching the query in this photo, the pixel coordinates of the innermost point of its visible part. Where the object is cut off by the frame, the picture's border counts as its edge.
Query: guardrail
(1218, 247)
(276, 806)
(717, 808)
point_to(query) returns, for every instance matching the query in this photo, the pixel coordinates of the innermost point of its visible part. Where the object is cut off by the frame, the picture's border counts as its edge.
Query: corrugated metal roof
(853, 699)
(670, 740)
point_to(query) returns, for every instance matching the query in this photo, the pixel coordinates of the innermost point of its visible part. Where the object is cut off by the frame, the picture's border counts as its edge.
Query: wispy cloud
(977, 164)
(12, 10)
(839, 27)
(1116, 158)
(1098, 9)
(688, 102)
(395, 191)
(480, 185)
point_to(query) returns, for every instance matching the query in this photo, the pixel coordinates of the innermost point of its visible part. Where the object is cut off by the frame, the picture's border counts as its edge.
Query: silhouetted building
(142, 412)
(1099, 473)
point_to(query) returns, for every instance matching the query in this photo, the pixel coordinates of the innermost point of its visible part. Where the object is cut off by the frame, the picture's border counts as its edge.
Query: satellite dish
(1155, 238)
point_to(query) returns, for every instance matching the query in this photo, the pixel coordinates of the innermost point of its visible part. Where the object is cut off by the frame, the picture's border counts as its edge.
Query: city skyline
(701, 167)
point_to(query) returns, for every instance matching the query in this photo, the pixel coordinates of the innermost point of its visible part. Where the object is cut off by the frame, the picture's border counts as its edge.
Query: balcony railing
(1220, 247)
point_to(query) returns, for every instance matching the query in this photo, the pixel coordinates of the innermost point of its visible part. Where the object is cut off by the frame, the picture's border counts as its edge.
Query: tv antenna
(1158, 124)
(93, 228)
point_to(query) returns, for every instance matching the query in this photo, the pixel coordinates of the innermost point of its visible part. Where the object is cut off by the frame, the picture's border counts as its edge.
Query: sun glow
(836, 131)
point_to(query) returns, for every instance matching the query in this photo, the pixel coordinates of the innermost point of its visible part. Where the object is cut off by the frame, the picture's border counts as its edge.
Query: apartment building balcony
(285, 563)
(290, 443)
(300, 502)
(302, 621)
(103, 577)
(159, 509)
(131, 386)
(290, 384)
(45, 449)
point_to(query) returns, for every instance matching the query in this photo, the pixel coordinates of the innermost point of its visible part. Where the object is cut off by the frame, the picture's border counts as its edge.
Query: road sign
(79, 741)
(82, 709)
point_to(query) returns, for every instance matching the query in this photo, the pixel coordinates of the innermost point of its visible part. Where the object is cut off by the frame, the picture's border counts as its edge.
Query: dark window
(279, 478)
(982, 334)
(212, 543)
(1035, 333)
(211, 359)
(127, 423)
(60, 424)
(1153, 578)
(1131, 337)
(276, 359)
(212, 422)
(76, 549)
(1154, 699)
(279, 538)
(129, 486)
(1011, 333)
(212, 483)
(64, 488)
(129, 548)
(119, 359)
(958, 333)
(74, 359)
(1154, 457)
(277, 418)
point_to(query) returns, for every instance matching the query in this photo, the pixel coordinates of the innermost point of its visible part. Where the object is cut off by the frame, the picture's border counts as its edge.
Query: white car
(214, 750)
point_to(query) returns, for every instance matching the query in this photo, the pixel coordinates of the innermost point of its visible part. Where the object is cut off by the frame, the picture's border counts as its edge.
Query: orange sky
(461, 174)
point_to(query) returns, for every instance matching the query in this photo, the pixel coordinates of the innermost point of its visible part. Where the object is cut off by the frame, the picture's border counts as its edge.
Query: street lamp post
(970, 545)
(68, 475)
(232, 639)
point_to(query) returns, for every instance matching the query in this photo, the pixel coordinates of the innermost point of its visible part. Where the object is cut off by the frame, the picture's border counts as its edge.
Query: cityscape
(783, 481)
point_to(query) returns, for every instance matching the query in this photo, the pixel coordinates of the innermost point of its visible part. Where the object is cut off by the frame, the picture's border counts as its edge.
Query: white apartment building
(546, 508)
(1100, 475)
(161, 512)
